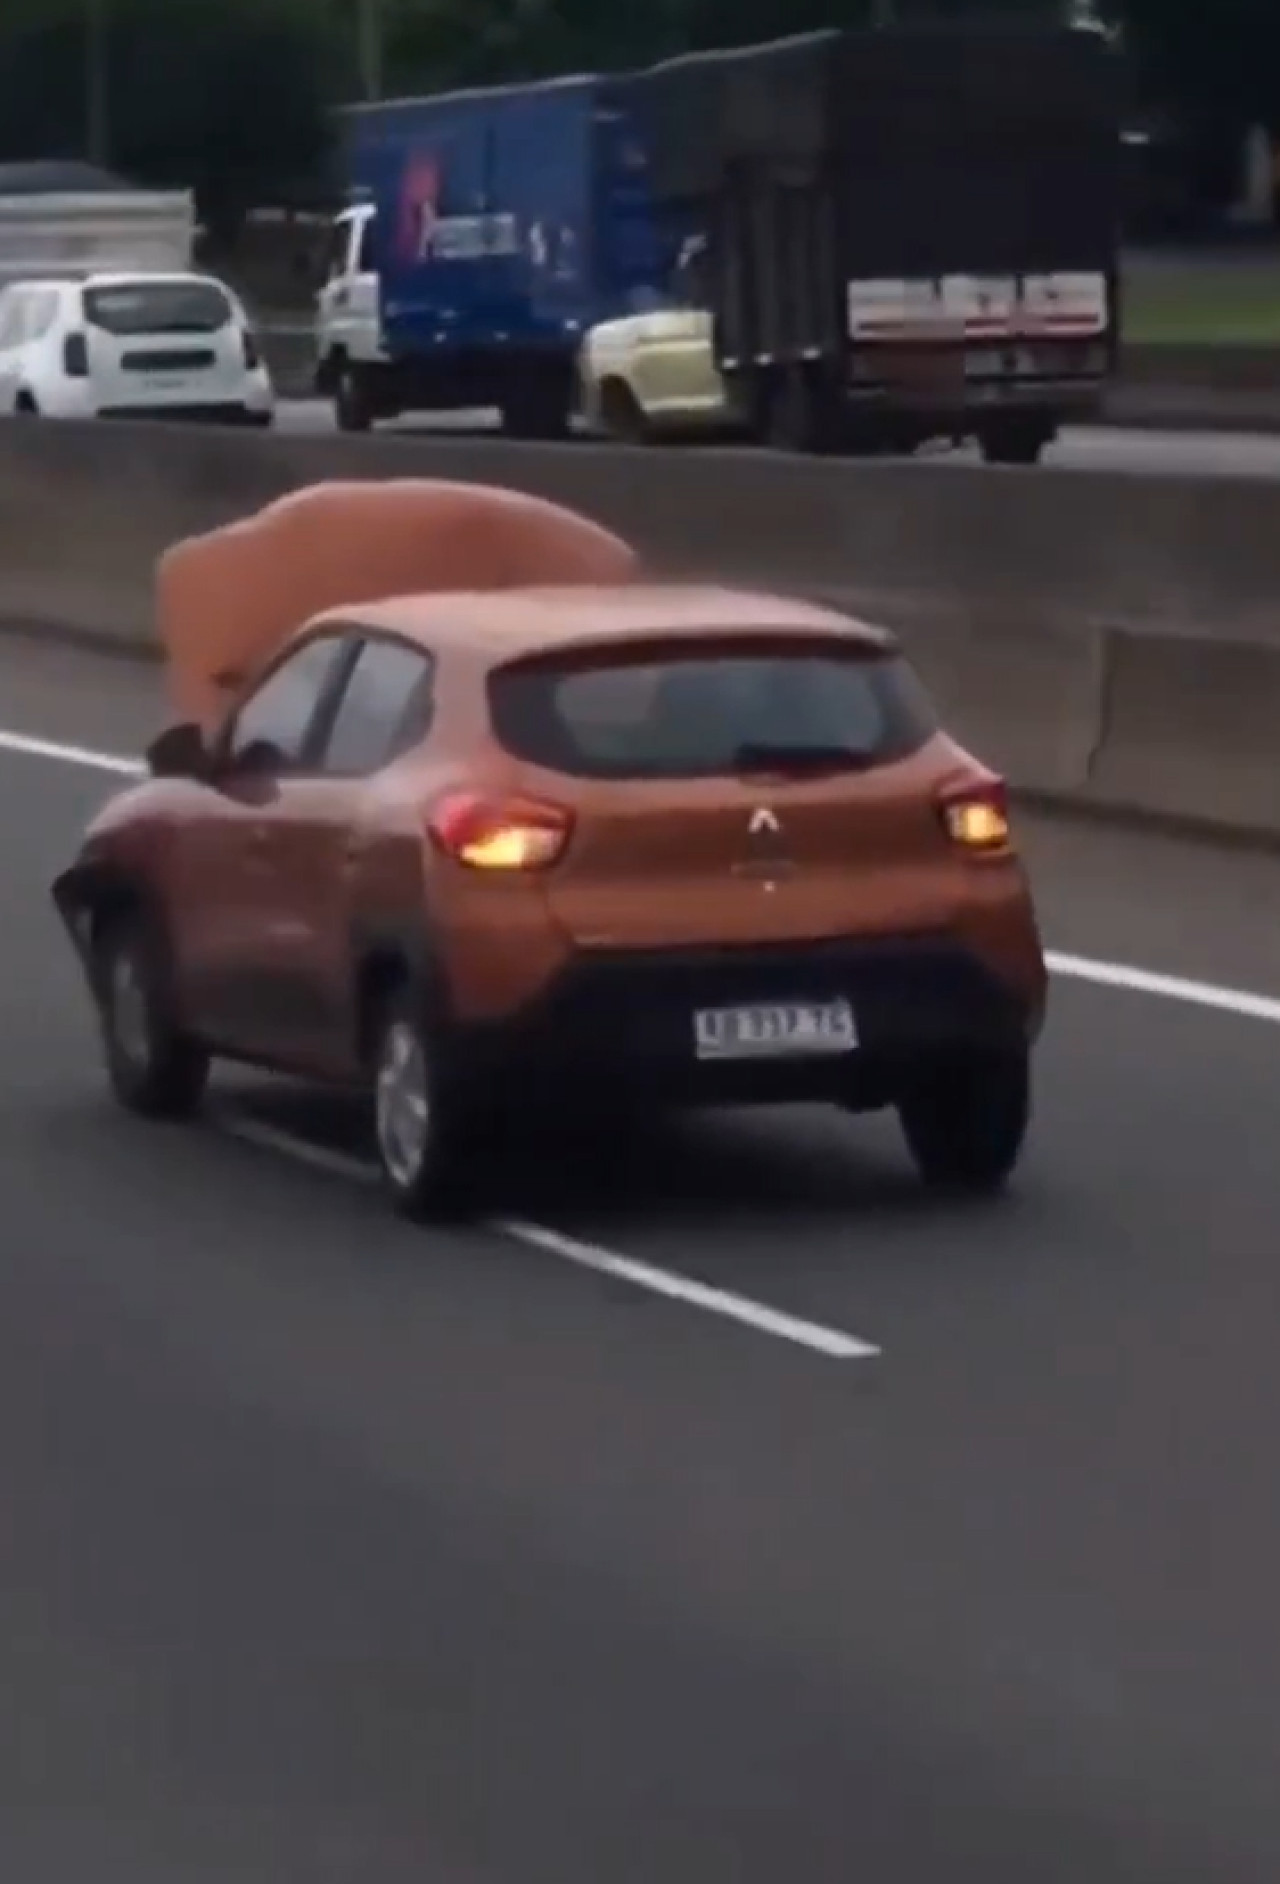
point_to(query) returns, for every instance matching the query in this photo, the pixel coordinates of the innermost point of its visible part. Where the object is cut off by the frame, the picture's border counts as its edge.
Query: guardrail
(1108, 641)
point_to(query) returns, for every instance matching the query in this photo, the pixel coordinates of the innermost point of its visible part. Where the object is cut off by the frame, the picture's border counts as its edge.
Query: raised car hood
(228, 600)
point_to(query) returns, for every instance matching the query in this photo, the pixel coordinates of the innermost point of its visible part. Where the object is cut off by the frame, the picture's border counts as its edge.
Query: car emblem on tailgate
(767, 861)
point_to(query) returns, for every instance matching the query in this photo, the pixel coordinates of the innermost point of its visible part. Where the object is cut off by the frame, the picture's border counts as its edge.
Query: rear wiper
(755, 757)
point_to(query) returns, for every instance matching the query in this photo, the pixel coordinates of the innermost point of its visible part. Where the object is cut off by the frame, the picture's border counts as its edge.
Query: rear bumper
(976, 400)
(623, 1022)
(206, 413)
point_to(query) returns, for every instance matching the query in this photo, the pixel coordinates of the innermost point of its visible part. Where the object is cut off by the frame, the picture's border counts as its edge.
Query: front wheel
(153, 1068)
(965, 1120)
(622, 414)
(351, 408)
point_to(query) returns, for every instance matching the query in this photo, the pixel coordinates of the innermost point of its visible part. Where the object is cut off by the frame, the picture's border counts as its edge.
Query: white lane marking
(1237, 1001)
(70, 755)
(832, 1343)
(283, 1144)
(1102, 974)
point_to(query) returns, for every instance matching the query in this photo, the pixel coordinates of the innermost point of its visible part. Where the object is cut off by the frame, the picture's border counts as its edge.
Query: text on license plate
(775, 1031)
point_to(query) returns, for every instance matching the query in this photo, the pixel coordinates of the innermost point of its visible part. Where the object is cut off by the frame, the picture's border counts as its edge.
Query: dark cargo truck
(911, 232)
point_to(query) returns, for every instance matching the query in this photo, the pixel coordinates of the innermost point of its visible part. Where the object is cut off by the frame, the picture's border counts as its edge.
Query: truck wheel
(802, 412)
(622, 413)
(536, 405)
(965, 1120)
(1015, 441)
(351, 409)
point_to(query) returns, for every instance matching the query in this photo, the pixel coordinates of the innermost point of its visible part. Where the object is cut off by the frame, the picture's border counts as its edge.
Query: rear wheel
(965, 1120)
(153, 1068)
(25, 406)
(424, 1134)
(1015, 441)
(537, 403)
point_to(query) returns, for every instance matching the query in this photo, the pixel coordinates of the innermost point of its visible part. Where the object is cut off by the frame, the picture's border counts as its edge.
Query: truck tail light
(510, 834)
(75, 356)
(252, 351)
(976, 816)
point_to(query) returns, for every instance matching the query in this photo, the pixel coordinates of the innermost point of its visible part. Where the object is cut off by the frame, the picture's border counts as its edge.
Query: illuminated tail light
(75, 356)
(252, 351)
(976, 817)
(500, 834)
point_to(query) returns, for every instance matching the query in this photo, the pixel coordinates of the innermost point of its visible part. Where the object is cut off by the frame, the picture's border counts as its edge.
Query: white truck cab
(348, 320)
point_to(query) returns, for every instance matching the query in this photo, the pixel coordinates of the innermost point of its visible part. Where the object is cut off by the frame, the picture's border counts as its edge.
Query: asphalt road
(1098, 448)
(334, 1550)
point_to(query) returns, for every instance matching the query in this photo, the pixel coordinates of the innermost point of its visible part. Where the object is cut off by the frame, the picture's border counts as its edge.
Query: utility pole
(369, 44)
(97, 84)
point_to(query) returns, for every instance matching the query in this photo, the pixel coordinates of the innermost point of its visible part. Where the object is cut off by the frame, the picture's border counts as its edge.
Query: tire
(25, 406)
(351, 409)
(1014, 443)
(622, 415)
(424, 1135)
(965, 1121)
(537, 406)
(153, 1069)
(801, 413)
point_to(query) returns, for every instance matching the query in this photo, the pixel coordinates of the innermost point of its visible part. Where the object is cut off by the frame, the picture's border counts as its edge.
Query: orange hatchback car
(484, 853)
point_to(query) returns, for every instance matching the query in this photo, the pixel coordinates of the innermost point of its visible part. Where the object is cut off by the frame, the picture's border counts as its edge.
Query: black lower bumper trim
(627, 1019)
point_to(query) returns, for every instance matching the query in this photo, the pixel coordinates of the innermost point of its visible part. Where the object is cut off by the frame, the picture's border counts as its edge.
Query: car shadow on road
(780, 1172)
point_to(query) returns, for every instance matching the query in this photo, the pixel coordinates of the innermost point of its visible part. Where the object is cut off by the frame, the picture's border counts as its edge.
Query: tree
(229, 97)
(1220, 58)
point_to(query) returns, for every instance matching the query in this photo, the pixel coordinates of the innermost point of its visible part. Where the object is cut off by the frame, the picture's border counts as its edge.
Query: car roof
(511, 624)
(118, 278)
(167, 277)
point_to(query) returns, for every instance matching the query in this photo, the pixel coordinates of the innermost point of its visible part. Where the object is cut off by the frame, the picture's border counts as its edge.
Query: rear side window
(13, 305)
(158, 307)
(385, 709)
(707, 715)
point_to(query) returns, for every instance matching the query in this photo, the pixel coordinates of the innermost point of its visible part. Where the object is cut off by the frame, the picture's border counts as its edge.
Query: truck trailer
(908, 233)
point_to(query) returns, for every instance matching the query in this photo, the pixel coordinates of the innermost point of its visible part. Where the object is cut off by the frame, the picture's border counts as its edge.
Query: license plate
(777, 1031)
(166, 382)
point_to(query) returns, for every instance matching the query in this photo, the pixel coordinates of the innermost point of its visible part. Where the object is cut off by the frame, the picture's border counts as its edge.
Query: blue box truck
(486, 232)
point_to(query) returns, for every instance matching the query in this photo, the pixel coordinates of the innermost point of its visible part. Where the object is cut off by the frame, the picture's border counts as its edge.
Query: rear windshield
(703, 715)
(158, 307)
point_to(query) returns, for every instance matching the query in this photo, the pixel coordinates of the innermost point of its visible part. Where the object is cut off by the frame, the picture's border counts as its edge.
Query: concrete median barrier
(1106, 640)
(1190, 728)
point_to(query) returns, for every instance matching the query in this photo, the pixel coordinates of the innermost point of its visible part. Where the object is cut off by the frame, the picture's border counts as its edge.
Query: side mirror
(261, 759)
(178, 752)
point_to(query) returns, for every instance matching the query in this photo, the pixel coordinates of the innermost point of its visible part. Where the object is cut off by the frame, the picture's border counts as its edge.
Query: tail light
(252, 351)
(976, 817)
(75, 356)
(500, 833)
